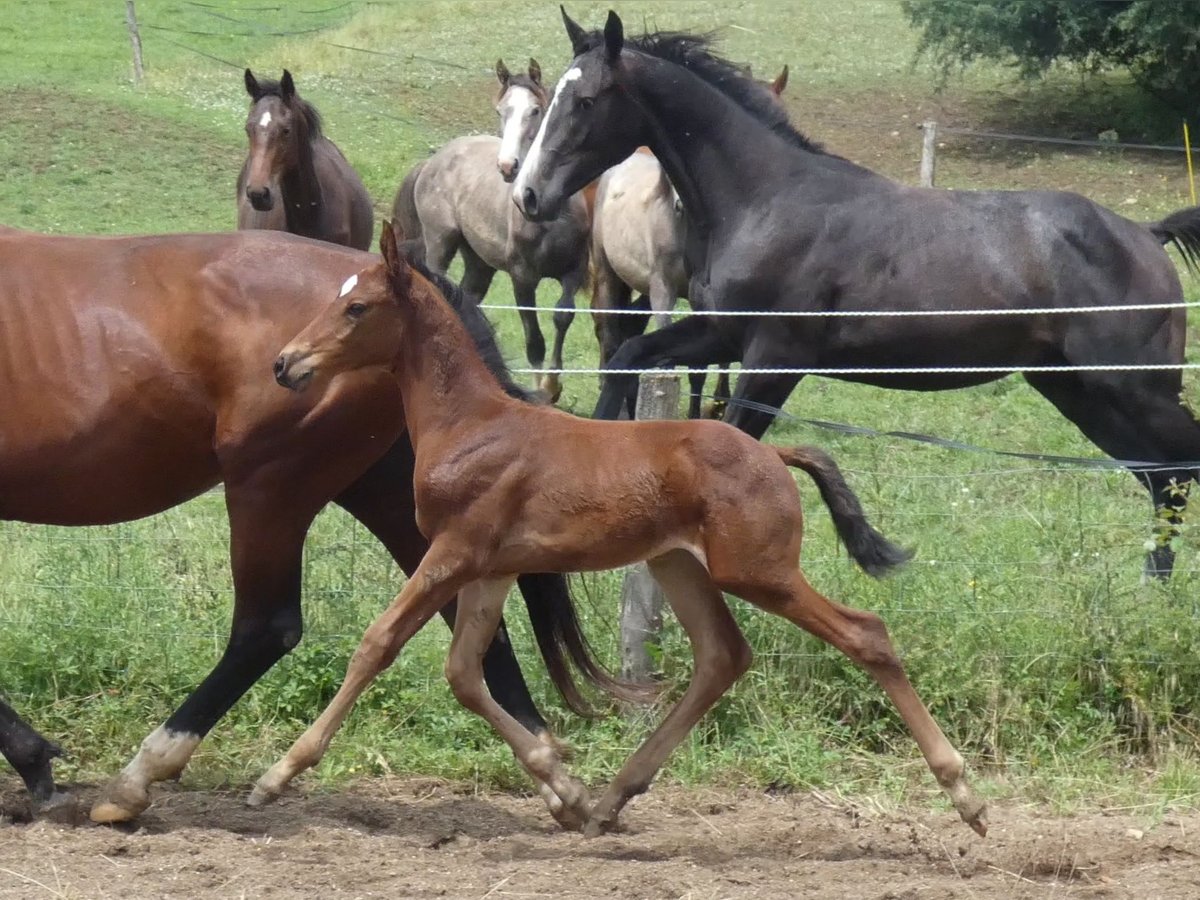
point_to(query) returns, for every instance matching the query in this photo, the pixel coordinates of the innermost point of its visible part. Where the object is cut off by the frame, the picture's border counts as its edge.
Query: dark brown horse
(296, 179)
(133, 376)
(583, 496)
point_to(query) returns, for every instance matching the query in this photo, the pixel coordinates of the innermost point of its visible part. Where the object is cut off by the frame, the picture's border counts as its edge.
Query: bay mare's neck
(443, 380)
(301, 191)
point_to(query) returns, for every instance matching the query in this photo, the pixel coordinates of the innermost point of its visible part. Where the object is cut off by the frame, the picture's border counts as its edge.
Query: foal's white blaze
(265, 120)
(518, 101)
(535, 151)
(348, 285)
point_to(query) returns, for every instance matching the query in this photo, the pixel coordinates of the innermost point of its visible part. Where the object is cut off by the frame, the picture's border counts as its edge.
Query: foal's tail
(563, 644)
(870, 549)
(404, 208)
(1182, 229)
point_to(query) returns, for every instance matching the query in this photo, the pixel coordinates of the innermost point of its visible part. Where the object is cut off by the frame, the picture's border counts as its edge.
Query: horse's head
(520, 103)
(591, 124)
(277, 124)
(360, 329)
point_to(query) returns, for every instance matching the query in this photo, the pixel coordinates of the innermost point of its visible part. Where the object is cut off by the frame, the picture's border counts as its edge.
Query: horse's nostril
(530, 200)
(280, 365)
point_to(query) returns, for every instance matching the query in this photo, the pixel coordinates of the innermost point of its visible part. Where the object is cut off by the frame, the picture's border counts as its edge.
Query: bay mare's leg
(382, 500)
(477, 275)
(720, 657)
(862, 636)
(30, 755)
(1138, 417)
(525, 295)
(564, 315)
(266, 542)
(694, 341)
(437, 579)
(480, 605)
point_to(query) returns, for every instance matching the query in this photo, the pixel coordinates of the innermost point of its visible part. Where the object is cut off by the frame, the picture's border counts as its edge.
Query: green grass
(1022, 619)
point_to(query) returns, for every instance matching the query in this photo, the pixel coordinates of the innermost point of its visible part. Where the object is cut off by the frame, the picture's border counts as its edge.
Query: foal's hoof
(975, 815)
(551, 388)
(121, 801)
(714, 410)
(597, 826)
(61, 808)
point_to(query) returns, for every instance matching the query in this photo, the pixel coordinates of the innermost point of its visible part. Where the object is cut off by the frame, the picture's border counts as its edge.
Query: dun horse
(583, 496)
(457, 201)
(296, 179)
(775, 224)
(133, 376)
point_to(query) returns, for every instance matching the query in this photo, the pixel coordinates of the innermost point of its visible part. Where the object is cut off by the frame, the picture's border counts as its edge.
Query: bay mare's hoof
(62, 808)
(261, 795)
(120, 801)
(975, 815)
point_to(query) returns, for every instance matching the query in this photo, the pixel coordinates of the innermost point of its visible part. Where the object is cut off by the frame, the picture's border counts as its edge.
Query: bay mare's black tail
(1182, 229)
(870, 549)
(562, 644)
(404, 215)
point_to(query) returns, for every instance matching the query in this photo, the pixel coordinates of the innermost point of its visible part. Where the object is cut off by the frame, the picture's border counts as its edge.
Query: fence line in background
(895, 370)
(857, 313)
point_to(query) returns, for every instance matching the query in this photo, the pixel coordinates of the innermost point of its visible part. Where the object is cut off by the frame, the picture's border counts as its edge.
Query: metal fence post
(641, 597)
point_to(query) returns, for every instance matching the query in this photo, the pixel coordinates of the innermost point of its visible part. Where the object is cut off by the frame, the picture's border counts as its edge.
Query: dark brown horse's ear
(502, 73)
(614, 36)
(287, 87)
(398, 269)
(252, 87)
(535, 71)
(577, 35)
(780, 82)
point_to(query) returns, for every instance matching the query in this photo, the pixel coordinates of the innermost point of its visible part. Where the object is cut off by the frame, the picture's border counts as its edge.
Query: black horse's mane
(694, 52)
(268, 87)
(483, 335)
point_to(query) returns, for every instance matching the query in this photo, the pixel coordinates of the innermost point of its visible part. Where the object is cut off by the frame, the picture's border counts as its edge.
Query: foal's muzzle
(293, 372)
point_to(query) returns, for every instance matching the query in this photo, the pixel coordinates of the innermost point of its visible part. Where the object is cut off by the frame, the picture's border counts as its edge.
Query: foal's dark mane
(694, 53)
(483, 334)
(268, 87)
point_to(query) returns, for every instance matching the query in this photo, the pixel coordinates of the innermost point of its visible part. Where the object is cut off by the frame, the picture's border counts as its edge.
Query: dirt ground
(417, 839)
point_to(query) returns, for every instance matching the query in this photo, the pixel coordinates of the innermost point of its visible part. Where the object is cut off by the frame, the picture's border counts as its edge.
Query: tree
(1158, 41)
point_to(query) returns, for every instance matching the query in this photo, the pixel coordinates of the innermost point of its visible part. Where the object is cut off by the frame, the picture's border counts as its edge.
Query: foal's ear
(502, 73)
(780, 82)
(577, 35)
(252, 87)
(287, 87)
(614, 36)
(398, 269)
(535, 71)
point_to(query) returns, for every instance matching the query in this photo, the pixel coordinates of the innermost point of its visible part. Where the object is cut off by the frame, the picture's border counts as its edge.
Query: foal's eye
(355, 310)
(585, 103)
(536, 111)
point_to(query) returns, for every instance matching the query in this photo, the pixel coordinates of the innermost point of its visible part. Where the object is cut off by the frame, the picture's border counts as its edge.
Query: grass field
(1022, 620)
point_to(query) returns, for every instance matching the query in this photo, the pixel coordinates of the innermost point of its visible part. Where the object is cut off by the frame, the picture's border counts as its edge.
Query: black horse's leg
(30, 755)
(1138, 418)
(766, 348)
(693, 341)
(266, 542)
(383, 501)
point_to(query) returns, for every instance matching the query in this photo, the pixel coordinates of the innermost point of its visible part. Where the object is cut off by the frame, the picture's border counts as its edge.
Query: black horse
(777, 224)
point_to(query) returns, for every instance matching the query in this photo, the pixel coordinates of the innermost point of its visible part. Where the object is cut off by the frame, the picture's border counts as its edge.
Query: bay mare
(136, 375)
(457, 203)
(294, 178)
(776, 224)
(583, 496)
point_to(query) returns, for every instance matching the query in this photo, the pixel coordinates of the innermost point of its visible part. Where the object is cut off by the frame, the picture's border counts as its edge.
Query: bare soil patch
(406, 838)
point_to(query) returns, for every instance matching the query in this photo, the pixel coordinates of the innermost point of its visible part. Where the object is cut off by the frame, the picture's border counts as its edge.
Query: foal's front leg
(428, 590)
(480, 605)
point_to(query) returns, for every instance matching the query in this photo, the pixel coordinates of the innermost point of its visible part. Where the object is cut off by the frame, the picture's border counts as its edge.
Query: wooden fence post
(928, 153)
(641, 597)
(135, 38)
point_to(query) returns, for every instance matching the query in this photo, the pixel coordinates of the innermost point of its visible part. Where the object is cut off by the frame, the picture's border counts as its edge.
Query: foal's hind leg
(720, 657)
(862, 636)
(479, 607)
(30, 755)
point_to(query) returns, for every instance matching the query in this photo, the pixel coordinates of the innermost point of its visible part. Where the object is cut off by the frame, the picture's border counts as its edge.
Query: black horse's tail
(404, 213)
(870, 549)
(1182, 229)
(563, 644)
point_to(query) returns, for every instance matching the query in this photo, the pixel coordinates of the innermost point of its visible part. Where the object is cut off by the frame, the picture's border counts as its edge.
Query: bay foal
(503, 488)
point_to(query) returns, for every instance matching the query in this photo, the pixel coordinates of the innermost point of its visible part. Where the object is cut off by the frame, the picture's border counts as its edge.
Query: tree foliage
(1158, 41)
